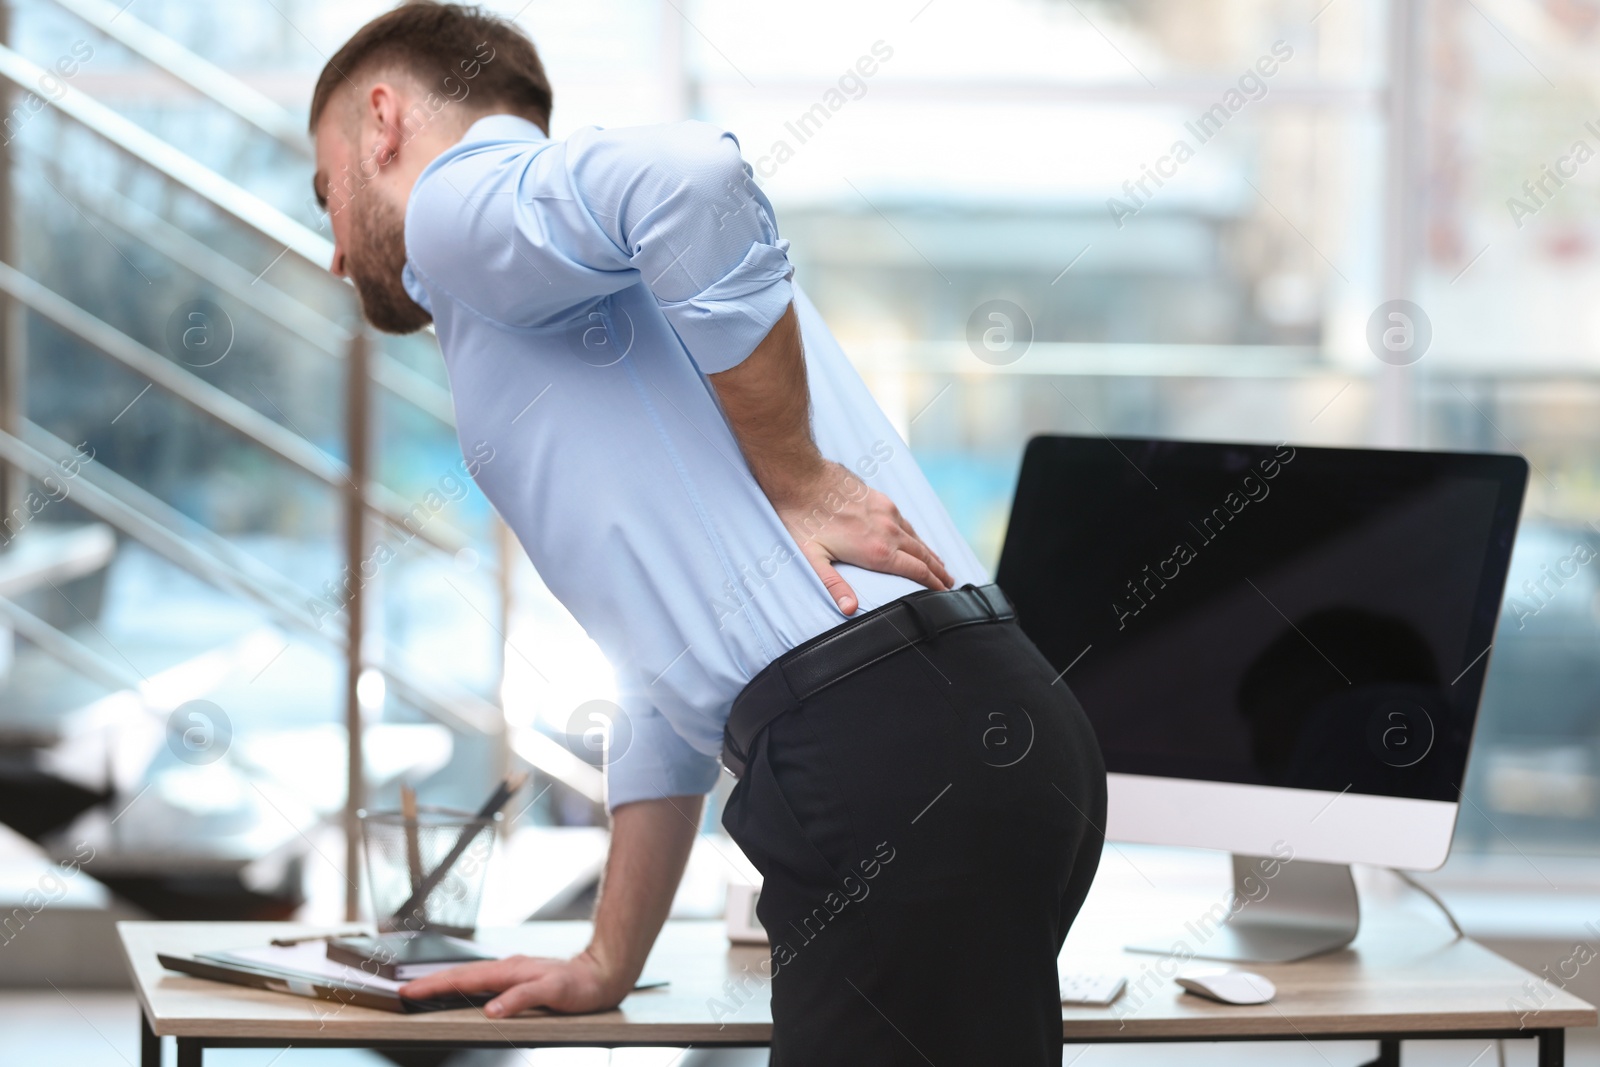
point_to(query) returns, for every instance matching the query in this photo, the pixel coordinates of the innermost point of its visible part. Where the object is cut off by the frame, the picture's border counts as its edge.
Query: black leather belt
(830, 657)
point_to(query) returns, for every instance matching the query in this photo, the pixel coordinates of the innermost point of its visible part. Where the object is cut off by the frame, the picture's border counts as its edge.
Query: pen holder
(402, 857)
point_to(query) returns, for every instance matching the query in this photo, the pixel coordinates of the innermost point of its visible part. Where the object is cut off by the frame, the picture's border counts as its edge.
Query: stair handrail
(265, 579)
(133, 139)
(279, 308)
(452, 705)
(216, 404)
(538, 749)
(67, 649)
(200, 74)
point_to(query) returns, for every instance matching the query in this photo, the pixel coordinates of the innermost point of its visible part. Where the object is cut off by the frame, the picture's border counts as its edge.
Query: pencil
(290, 942)
(408, 811)
(497, 800)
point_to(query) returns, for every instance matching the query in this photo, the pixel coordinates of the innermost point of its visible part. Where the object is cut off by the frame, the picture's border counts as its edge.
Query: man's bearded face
(374, 257)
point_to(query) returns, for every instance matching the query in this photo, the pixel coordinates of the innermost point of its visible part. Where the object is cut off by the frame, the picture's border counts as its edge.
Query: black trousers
(927, 829)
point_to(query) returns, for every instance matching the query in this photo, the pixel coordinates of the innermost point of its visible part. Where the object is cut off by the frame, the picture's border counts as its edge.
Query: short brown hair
(440, 44)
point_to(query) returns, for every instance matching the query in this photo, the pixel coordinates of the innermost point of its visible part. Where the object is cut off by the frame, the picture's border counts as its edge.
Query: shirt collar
(487, 130)
(415, 289)
(502, 128)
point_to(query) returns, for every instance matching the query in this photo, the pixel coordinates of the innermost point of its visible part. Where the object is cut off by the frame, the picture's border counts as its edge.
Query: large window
(1164, 217)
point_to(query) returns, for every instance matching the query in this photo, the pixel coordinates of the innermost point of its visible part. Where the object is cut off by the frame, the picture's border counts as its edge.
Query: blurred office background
(181, 423)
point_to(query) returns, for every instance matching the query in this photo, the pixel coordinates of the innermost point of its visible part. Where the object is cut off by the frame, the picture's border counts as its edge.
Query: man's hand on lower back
(581, 984)
(833, 515)
(837, 518)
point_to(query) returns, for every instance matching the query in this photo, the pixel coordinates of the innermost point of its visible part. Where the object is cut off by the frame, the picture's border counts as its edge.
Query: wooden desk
(695, 956)
(1405, 978)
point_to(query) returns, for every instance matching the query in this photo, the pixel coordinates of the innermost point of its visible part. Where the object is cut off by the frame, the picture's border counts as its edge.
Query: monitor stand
(1303, 909)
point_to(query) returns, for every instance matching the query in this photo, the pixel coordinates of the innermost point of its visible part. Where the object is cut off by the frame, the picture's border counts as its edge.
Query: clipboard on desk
(355, 994)
(322, 979)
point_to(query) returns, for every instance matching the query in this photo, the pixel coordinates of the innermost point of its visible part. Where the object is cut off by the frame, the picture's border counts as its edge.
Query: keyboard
(1091, 990)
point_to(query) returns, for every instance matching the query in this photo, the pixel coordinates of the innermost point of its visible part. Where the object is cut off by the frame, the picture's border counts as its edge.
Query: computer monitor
(1281, 648)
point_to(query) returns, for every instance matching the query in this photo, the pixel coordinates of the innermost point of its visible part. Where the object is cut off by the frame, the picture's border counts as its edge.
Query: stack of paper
(309, 960)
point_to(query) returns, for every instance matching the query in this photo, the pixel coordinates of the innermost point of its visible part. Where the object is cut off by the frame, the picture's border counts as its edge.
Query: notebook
(304, 970)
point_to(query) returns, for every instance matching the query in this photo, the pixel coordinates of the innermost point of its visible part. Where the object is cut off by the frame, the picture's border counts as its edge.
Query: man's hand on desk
(650, 843)
(581, 984)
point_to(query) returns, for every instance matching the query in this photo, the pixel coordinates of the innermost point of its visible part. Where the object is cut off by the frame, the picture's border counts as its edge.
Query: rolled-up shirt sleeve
(657, 763)
(678, 201)
(535, 237)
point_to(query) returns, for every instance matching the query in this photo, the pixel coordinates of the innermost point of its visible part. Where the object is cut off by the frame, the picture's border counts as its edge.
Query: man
(701, 478)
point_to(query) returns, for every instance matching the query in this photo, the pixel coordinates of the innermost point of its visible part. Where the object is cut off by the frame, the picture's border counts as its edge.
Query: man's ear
(384, 108)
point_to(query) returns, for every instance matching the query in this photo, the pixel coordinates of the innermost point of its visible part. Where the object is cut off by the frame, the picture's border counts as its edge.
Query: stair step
(57, 922)
(52, 553)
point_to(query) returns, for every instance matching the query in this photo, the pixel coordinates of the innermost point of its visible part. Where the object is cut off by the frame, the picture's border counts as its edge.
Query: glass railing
(232, 424)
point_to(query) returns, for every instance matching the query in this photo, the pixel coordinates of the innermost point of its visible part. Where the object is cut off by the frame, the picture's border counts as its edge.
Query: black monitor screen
(1315, 618)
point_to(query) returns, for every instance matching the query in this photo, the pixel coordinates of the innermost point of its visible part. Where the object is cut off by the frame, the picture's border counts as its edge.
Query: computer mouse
(1228, 987)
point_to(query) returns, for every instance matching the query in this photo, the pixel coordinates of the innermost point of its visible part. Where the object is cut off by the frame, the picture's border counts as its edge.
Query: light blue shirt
(582, 290)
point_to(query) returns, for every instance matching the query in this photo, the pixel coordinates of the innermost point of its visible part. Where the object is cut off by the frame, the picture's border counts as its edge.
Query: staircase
(198, 444)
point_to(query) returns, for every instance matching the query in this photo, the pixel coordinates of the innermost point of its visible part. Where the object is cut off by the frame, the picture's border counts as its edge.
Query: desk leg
(191, 1053)
(1552, 1048)
(149, 1044)
(1388, 1054)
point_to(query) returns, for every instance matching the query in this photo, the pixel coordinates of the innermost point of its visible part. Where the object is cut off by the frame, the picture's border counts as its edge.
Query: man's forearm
(832, 514)
(650, 843)
(768, 406)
